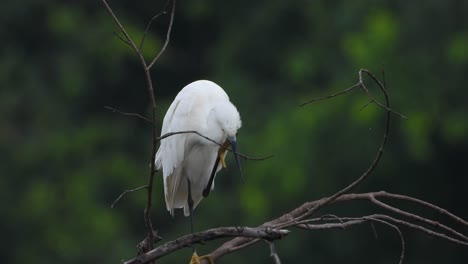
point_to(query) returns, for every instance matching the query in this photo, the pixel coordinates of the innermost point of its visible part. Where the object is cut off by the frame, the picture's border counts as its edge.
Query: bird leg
(195, 258)
(221, 152)
(207, 189)
(219, 158)
(190, 204)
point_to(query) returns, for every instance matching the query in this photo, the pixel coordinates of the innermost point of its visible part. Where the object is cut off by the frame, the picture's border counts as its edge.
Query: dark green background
(64, 158)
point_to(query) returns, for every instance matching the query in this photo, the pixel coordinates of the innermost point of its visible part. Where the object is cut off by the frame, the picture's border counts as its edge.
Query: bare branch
(382, 87)
(423, 203)
(423, 229)
(125, 192)
(168, 36)
(148, 26)
(240, 243)
(121, 27)
(304, 211)
(333, 222)
(127, 114)
(366, 105)
(211, 234)
(147, 212)
(402, 239)
(347, 90)
(351, 221)
(170, 134)
(273, 253)
(360, 84)
(343, 225)
(417, 217)
(408, 224)
(348, 221)
(122, 39)
(369, 170)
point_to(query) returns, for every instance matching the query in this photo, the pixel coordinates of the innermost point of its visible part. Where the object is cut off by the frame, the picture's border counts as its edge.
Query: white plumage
(202, 106)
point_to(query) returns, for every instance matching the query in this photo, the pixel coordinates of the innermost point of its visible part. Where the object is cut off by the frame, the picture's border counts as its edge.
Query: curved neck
(213, 128)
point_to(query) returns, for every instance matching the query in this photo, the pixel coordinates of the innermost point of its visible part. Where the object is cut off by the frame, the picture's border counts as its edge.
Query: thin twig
(122, 39)
(351, 221)
(411, 225)
(382, 87)
(163, 12)
(273, 252)
(372, 166)
(402, 239)
(423, 229)
(168, 36)
(170, 134)
(360, 84)
(127, 114)
(366, 105)
(121, 27)
(349, 89)
(125, 192)
(423, 203)
(417, 217)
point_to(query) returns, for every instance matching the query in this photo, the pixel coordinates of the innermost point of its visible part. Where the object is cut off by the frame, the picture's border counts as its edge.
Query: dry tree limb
(349, 221)
(423, 203)
(152, 235)
(268, 234)
(417, 217)
(379, 154)
(332, 222)
(309, 211)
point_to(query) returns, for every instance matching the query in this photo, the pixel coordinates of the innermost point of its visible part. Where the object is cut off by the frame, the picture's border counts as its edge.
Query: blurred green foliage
(64, 158)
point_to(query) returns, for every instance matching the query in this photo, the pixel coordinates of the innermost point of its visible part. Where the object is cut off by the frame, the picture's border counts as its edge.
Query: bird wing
(188, 111)
(171, 152)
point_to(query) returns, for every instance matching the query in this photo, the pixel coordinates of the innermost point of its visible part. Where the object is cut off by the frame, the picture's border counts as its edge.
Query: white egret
(190, 162)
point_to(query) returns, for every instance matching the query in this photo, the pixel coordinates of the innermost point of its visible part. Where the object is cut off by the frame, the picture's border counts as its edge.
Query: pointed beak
(233, 142)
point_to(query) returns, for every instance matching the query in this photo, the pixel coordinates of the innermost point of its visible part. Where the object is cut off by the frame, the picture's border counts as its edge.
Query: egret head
(229, 120)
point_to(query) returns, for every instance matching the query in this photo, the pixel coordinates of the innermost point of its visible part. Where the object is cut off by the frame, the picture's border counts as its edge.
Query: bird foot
(221, 154)
(197, 260)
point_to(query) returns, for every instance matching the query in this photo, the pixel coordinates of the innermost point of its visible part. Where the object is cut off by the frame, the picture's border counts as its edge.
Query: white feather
(202, 106)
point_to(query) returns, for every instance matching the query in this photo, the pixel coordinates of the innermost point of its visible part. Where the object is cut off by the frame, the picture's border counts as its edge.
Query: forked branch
(151, 234)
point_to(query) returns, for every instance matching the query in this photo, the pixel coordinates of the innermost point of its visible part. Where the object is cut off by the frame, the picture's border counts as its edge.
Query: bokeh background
(64, 158)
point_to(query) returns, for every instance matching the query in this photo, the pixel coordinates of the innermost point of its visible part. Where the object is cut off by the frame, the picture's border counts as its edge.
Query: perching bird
(190, 162)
